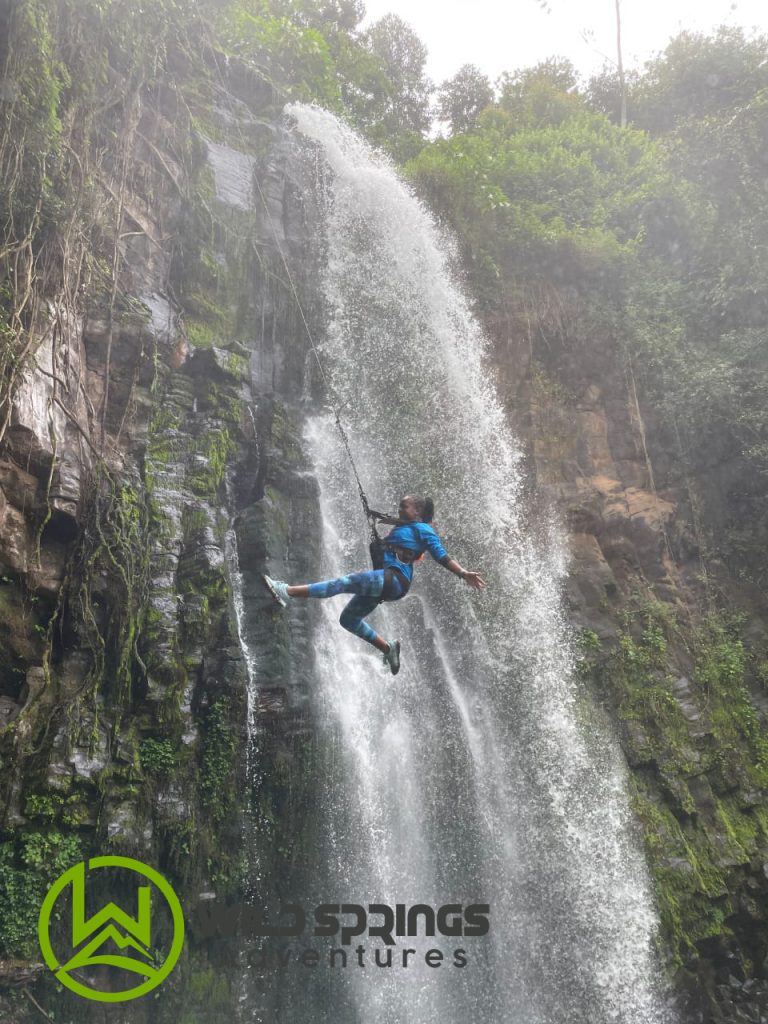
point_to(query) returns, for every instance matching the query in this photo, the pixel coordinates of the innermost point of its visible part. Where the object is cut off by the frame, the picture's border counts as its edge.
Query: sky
(502, 35)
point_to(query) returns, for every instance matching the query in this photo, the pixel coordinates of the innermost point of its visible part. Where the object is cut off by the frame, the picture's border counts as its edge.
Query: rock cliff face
(157, 428)
(673, 641)
(153, 434)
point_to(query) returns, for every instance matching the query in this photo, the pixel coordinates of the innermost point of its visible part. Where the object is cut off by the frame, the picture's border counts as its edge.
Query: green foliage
(689, 886)
(44, 806)
(316, 52)
(569, 202)
(32, 195)
(200, 334)
(216, 775)
(589, 640)
(704, 363)
(604, 92)
(28, 866)
(297, 57)
(692, 844)
(158, 757)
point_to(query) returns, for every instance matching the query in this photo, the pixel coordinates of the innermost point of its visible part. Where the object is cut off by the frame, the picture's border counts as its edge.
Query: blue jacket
(418, 537)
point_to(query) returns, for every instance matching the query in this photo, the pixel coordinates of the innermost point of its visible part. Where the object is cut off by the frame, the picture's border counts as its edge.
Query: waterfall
(482, 773)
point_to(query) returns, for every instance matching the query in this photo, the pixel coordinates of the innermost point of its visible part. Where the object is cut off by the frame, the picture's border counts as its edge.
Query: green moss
(720, 674)
(690, 889)
(645, 694)
(76, 815)
(201, 306)
(196, 519)
(236, 365)
(222, 400)
(694, 851)
(202, 335)
(210, 988)
(741, 829)
(213, 451)
(165, 417)
(284, 435)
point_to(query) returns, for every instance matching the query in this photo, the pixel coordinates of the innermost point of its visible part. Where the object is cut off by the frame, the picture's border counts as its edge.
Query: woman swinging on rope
(412, 536)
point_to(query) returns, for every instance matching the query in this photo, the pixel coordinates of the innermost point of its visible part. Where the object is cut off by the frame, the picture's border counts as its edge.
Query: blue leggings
(368, 588)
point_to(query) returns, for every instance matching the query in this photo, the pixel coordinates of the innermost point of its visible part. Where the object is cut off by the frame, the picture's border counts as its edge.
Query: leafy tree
(604, 92)
(313, 50)
(571, 202)
(462, 98)
(327, 16)
(542, 95)
(708, 97)
(398, 111)
(701, 76)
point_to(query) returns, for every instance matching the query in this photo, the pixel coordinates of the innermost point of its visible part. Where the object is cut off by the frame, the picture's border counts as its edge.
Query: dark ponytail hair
(426, 509)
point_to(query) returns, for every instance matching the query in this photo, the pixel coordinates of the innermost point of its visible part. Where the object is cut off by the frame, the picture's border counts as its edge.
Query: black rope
(329, 389)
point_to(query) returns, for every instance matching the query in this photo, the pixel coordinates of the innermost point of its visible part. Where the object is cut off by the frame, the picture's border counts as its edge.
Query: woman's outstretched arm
(473, 579)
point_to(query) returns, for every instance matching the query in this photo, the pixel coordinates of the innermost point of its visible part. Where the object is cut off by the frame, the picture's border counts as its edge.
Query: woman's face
(407, 508)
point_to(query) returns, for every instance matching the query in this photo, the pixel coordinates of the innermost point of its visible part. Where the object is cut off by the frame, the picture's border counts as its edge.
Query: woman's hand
(473, 579)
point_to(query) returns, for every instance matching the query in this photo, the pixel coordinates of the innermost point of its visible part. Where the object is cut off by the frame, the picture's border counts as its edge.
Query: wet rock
(638, 746)
(81, 815)
(16, 540)
(47, 574)
(124, 828)
(9, 709)
(59, 777)
(701, 791)
(163, 317)
(20, 488)
(65, 491)
(173, 804)
(19, 645)
(679, 864)
(87, 763)
(681, 687)
(233, 172)
(220, 364)
(34, 685)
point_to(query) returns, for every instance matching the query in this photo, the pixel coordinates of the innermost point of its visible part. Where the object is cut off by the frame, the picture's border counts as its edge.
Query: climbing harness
(379, 545)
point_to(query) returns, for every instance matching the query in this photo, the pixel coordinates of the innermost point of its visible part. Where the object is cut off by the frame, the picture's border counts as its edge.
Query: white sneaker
(277, 589)
(392, 657)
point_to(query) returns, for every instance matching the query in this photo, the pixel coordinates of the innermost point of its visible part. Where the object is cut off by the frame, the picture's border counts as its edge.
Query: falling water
(252, 770)
(481, 773)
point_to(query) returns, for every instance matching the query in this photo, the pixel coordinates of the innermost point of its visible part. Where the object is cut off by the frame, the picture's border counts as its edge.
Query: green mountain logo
(112, 927)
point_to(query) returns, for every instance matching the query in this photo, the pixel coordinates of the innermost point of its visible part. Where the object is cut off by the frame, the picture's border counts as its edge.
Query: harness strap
(410, 556)
(405, 584)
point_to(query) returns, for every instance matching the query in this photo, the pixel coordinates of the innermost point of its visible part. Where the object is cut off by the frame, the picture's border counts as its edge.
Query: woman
(402, 547)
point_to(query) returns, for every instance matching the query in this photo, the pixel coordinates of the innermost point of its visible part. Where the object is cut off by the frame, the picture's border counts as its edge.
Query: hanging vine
(75, 76)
